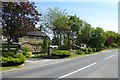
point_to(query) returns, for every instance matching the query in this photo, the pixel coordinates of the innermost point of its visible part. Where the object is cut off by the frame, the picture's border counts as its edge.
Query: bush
(28, 54)
(13, 61)
(94, 49)
(114, 45)
(61, 53)
(99, 49)
(25, 49)
(90, 49)
(80, 51)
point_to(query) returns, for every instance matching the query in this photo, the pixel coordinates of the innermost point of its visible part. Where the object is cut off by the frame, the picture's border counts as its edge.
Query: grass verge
(74, 55)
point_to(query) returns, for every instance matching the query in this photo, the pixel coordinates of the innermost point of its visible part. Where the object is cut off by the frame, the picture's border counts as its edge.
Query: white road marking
(77, 70)
(109, 57)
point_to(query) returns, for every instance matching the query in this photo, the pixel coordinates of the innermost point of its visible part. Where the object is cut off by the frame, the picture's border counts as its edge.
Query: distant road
(103, 65)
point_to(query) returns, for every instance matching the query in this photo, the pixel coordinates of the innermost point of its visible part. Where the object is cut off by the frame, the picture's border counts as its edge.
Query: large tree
(19, 18)
(61, 28)
(76, 25)
(85, 34)
(97, 38)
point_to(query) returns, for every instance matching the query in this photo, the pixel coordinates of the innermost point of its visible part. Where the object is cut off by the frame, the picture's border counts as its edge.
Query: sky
(98, 14)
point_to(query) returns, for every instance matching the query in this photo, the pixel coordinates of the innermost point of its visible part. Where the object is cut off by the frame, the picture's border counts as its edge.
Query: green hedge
(61, 53)
(86, 50)
(13, 61)
(80, 51)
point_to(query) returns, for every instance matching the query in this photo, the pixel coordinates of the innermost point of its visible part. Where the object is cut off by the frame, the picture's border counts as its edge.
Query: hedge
(13, 61)
(61, 53)
(80, 51)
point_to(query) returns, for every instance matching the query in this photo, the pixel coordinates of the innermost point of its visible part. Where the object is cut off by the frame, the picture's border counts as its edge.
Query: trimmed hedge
(61, 53)
(13, 61)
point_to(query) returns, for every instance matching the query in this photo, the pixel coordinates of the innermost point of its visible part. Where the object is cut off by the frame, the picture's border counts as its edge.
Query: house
(33, 41)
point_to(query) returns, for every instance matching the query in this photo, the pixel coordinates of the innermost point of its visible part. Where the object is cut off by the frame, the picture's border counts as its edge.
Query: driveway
(36, 62)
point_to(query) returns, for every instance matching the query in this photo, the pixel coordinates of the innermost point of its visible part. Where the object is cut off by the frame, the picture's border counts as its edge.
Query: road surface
(103, 65)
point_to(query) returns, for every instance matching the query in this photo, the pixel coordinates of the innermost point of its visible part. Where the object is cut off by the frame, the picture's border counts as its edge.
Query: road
(103, 65)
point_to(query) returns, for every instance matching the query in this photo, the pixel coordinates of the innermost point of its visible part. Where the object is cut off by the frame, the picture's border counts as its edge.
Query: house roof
(37, 34)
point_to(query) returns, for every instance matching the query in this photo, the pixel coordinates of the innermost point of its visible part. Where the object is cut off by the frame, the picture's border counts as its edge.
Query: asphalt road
(103, 65)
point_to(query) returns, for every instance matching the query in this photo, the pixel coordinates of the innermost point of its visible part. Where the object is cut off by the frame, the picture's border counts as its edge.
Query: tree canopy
(19, 18)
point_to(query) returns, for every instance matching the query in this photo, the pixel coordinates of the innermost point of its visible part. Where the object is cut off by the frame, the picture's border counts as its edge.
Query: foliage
(7, 54)
(114, 45)
(85, 35)
(19, 18)
(25, 49)
(61, 53)
(79, 51)
(28, 54)
(94, 49)
(97, 39)
(13, 61)
(90, 49)
(45, 45)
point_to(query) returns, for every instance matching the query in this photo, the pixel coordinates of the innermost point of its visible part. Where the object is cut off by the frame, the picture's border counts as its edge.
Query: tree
(19, 18)
(97, 39)
(76, 25)
(52, 15)
(61, 27)
(45, 45)
(85, 35)
(112, 38)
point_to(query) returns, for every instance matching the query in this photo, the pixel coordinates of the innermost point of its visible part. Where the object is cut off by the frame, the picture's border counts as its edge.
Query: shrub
(90, 49)
(61, 53)
(94, 49)
(86, 51)
(98, 49)
(110, 47)
(13, 61)
(28, 54)
(80, 51)
(114, 45)
(25, 49)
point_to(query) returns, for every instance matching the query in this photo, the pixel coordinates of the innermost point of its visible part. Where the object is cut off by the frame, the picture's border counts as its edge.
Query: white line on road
(77, 70)
(109, 57)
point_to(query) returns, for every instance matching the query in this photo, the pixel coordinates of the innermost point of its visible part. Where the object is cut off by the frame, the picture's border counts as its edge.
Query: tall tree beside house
(51, 18)
(19, 18)
(45, 45)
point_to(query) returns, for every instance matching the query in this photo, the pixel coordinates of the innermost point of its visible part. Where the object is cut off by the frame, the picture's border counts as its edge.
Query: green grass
(9, 68)
(74, 55)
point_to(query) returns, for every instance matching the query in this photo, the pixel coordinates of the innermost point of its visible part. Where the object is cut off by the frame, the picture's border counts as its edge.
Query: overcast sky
(102, 14)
